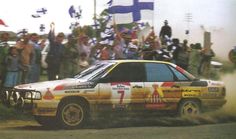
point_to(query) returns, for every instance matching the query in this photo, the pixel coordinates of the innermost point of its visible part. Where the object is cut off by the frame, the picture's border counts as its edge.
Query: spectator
(55, 53)
(13, 68)
(204, 69)
(174, 49)
(96, 53)
(118, 49)
(26, 51)
(34, 74)
(42, 43)
(83, 62)
(70, 56)
(83, 45)
(183, 56)
(4, 46)
(105, 54)
(194, 59)
(133, 50)
(166, 32)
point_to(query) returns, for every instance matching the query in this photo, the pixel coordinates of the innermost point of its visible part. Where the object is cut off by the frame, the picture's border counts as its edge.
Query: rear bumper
(211, 104)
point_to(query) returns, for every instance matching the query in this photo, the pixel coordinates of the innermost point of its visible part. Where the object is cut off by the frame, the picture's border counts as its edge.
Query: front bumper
(17, 98)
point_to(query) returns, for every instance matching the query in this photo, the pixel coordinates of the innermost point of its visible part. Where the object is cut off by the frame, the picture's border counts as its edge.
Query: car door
(189, 88)
(123, 87)
(162, 91)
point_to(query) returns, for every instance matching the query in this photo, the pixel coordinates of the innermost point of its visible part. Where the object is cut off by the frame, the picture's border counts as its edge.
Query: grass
(12, 114)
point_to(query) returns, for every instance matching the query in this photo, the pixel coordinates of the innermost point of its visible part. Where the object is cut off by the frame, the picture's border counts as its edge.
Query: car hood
(41, 86)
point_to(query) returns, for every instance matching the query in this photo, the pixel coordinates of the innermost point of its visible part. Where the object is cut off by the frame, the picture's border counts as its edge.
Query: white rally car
(124, 85)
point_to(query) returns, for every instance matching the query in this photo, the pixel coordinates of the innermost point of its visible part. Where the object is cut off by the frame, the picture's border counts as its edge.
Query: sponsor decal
(176, 93)
(155, 99)
(71, 91)
(121, 94)
(48, 95)
(190, 94)
(70, 87)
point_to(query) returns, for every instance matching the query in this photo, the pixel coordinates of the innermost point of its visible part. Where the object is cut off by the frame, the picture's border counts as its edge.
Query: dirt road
(30, 130)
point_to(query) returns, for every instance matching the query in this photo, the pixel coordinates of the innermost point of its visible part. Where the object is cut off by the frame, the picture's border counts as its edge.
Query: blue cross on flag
(128, 11)
(42, 11)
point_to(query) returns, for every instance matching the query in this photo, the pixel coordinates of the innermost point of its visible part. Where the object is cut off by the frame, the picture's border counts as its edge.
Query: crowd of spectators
(21, 63)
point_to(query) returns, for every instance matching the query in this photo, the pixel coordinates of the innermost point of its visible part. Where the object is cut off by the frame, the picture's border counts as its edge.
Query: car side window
(156, 72)
(127, 72)
(179, 75)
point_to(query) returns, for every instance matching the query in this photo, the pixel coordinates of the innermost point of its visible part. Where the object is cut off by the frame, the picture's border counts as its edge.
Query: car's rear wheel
(189, 108)
(46, 121)
(72, 114)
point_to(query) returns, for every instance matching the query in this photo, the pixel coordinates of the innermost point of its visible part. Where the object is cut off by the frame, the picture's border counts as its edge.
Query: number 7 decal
(122, 94)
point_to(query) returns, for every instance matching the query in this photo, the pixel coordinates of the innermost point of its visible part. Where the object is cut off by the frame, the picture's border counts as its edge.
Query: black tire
(46, 121)
(72, 114)
(189, 108)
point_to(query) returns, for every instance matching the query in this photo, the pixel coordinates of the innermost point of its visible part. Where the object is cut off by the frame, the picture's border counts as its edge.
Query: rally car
(124, 85)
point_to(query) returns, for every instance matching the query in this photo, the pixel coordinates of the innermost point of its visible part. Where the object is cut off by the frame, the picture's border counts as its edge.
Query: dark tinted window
(158, 73)
(179, 75)
(127, 72)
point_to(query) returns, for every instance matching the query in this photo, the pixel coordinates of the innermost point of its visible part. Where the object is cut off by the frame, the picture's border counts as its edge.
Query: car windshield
(94, 71)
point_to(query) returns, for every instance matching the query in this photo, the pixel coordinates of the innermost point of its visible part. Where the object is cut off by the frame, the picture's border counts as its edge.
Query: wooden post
(207, 41)
(205, 64)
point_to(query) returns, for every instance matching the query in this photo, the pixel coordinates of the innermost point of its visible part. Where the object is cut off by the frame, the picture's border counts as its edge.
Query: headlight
(33, 95)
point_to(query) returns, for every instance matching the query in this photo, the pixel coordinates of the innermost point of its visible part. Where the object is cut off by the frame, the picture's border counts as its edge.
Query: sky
(215, 16)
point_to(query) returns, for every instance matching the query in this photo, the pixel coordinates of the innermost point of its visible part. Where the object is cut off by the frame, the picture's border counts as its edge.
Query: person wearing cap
(166, 32)
(55, 53)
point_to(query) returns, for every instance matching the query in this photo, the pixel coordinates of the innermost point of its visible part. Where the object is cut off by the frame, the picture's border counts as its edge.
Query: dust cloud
(230, 82)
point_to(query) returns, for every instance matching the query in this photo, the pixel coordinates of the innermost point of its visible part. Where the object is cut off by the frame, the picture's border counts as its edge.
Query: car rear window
(156, 72)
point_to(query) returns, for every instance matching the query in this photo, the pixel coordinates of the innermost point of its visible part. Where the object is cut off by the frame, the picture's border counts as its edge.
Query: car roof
(139, 61)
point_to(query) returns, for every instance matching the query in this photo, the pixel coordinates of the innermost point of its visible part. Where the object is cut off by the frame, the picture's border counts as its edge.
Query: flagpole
(95, 10)
(95, 15)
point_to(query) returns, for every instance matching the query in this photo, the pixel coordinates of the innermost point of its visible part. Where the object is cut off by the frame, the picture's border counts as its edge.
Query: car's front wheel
(72, 114)
(189, 108)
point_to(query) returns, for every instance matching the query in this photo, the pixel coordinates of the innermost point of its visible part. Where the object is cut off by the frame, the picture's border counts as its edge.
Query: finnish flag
(130, 11)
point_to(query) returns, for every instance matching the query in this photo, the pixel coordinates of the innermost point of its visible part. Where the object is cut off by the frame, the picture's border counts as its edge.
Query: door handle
(137, 86)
